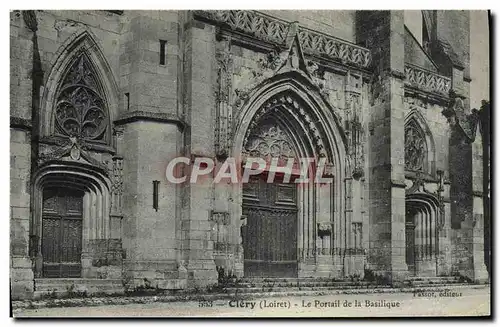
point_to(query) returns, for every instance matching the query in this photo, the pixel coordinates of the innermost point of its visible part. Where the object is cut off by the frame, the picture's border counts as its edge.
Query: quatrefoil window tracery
(80, 109)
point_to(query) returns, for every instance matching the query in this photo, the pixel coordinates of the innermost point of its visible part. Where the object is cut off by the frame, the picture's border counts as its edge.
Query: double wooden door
(62, 233)
(270, 233)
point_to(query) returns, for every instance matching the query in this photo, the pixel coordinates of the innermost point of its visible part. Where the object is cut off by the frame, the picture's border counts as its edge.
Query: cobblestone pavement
(459, 302)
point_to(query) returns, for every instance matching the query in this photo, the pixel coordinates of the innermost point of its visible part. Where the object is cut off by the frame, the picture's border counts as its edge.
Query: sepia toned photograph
(250, 163)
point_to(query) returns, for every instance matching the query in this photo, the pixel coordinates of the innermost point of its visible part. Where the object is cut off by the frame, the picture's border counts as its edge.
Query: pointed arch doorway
(285, 118)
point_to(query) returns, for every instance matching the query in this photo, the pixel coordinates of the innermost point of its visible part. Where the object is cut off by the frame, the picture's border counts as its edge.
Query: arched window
(81, 110)
(415, 147)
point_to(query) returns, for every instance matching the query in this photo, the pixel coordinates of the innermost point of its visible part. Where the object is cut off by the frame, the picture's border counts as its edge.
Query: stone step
(433, 280)
(65, 294)
(293, 289)
(87, 281)
(433, 277)
(324, 288)
(300, 284)
(59, 287)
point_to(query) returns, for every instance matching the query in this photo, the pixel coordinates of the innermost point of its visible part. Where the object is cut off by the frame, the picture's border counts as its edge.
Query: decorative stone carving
(221, 218)
(256, 24)
(269, 142)
(415, 103)
(321, 44)
(275, 31)
(354, 124)
(117, 185)
(80, 109)
(324, 228)
(294, 108)
(415, 147)
(223, 120)
(457, 117)
(249, 79)
(357, 232)
(73, 149)
(273, 61)
(426, 80)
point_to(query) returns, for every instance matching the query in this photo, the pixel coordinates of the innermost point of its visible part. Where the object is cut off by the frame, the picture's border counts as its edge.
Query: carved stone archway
(284, 105)
(423, 223)
(96, 238)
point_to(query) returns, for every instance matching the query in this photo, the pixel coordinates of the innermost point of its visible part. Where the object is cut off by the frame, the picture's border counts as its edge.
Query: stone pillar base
(324, 266)
(426, 267)
(306, 269)
(201, 273)
(478, 273)
(355, 265)
(21, 278)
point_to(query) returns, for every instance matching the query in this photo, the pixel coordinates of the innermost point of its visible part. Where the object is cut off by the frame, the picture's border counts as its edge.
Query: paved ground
(458, 302)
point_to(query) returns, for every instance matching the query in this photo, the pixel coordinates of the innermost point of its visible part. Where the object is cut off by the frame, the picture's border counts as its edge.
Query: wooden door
(270, 235)
(62, 233)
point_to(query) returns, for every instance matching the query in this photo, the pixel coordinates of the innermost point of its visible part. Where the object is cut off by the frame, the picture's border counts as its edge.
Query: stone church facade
(101, 101)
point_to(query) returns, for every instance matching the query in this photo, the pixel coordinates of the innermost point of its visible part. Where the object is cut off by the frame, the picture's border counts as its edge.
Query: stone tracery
(80, 109)
(415, 147)
(269, 141)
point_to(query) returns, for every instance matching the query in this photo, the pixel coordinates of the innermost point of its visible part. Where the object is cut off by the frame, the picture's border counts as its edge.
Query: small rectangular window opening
(156, 185)
(127, 100)
(163, 45)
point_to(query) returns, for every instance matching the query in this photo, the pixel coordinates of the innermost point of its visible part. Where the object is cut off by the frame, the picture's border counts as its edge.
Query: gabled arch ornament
(80, 96)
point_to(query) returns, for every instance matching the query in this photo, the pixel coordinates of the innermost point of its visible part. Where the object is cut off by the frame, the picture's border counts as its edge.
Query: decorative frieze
(334, 48)
(426, 80)
(273, 30)
(250, 22)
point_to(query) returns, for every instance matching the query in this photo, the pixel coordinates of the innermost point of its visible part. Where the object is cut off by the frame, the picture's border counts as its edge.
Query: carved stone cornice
(270, 29)
(140, 115)
(426, 80)
(249, 22)
(398, 183)
(20, 123)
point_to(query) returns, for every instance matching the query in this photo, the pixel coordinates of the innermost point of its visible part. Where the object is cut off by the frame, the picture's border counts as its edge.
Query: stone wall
(181, 104)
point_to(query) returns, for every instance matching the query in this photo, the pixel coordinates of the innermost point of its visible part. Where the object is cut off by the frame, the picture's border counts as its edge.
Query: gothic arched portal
(287, 226)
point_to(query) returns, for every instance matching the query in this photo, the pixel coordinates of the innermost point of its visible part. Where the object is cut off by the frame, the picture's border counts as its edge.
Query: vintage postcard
(250, 163)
